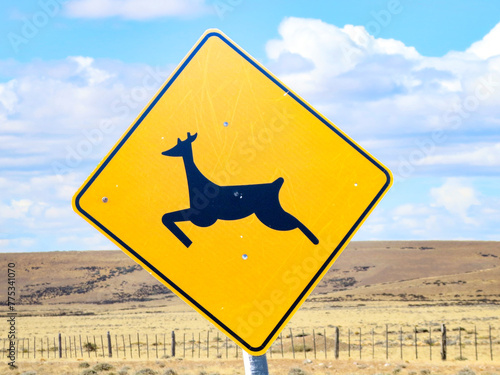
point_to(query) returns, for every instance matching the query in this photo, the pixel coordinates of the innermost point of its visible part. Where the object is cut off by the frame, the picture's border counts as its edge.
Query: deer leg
(171, 218)
(308, 233)
(279, 219)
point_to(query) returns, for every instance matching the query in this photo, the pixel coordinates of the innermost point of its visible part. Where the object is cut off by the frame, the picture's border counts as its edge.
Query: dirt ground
(235, 366)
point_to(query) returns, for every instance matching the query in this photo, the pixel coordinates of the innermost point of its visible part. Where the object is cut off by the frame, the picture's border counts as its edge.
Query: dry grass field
(374, 285)
(235, 367)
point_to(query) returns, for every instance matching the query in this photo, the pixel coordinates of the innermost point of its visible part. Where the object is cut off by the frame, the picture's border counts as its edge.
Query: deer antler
(190, 137)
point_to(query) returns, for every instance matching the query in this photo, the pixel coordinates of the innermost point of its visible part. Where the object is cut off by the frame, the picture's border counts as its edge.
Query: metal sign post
(255, 364)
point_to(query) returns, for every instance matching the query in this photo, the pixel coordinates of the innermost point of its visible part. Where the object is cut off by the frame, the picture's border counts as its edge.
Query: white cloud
(75, 93)
(16, 209)
(488, 46)
(8, 99)
(487, 155)
(456, 196)
(375, 87)
(48, 112)
(55, 113)
(452, 211)
(409, 209)
(17, 245)
(380, 91)
(331, 52)
(136, 9)
(94, 75)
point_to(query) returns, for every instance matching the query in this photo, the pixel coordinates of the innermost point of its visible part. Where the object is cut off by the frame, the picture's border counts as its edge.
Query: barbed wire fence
(381, 342)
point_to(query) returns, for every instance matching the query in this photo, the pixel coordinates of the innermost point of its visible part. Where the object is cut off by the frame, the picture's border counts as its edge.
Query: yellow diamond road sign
(233, 192)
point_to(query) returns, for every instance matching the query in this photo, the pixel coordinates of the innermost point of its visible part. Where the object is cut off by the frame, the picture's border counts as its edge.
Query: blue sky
(415, 83)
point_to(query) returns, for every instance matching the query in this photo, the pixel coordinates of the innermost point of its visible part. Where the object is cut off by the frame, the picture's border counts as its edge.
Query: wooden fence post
(401, 342)
(173, 343)
(460, 341)
(88, 349)
(304, 343)
(81, 347)
(102, 345)
(349, 343)
(373, 343)
(314, 343)
(208, 344)
(70, 350)
(416, 343)
(475, 341)
(192, 345)
(491, 345)
(360, 343)
(337, 342)
(138, 345)
(60, 346)
(291, 338)
(281, 344)
(430, 343)
(156, 344)
(130, 346)
(110, 350)
(386, 342)
(217, 341)
(326, 348)
(443, 342)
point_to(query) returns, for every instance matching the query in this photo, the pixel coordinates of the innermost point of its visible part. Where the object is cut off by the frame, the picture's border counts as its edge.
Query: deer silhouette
(210, 202)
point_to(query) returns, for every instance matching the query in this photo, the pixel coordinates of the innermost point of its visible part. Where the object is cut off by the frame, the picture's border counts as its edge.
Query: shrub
(466, 371)
(103, 367)
(89, 372)
(296, 371)
(170, 371)
(300, 348)
(84, 365)
(90, 347)
(146, 371)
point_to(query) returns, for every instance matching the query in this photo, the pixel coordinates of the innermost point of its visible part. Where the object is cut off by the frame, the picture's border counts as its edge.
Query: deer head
(182, 147)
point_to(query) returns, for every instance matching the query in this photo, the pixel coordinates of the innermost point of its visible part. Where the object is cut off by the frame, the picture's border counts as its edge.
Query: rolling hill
(431, 272)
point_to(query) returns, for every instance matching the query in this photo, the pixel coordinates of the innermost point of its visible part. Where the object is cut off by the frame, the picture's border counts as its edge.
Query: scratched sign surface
(233, 192)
